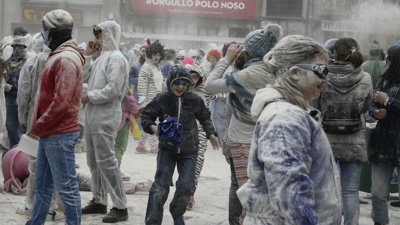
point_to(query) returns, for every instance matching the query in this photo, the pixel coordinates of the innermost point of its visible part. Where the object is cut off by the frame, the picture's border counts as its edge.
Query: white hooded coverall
(106, 89)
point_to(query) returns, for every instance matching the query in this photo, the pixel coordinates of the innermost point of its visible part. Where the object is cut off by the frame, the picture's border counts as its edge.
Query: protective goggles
(320, 70)
(183, 83)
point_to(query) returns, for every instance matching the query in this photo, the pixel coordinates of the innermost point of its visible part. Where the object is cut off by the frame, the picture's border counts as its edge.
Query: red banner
(230, 9)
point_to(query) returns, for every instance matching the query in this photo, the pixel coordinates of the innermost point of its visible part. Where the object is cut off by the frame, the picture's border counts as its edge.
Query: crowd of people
(296, 121)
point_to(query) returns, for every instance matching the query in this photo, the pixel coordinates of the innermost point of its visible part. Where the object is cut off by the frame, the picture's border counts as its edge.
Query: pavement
(211, 197)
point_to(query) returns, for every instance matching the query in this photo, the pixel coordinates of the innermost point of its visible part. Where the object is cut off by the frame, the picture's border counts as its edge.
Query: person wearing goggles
(290, 159)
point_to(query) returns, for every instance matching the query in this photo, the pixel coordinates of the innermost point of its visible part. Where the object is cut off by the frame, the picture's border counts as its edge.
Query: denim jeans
(12, 123)
(55, 166)
(166, 161)
(381, 176)
(350, 180)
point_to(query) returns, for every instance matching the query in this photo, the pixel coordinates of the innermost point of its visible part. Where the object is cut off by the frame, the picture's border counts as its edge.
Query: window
(285, 8)
(238, 32)
(143, 29)
(207, 31)
(177, 30)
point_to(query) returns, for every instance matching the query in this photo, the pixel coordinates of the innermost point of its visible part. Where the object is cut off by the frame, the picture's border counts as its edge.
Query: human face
(179, 87)
(308, 82)
(99, 40)
(195, 78)
(213, 60)
(156, 57)
(142, 52)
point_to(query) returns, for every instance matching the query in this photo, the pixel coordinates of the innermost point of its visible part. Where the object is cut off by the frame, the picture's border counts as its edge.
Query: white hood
(262, 98)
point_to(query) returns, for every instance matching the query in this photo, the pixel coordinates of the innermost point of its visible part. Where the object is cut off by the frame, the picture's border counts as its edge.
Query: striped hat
(58, 19)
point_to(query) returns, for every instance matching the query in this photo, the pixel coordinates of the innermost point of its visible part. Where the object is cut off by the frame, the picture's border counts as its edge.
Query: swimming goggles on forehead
(320, 70)
(183, 83)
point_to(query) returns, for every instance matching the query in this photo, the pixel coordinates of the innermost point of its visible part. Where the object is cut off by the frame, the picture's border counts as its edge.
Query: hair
(347, 49)
(393, 72)
(289, 51)
(19, 31)
(225, 48)
(214, 53)
(239, 61)
(154, 48)
(95, 31)
(188, 60)
(4, 68)
(170, 53)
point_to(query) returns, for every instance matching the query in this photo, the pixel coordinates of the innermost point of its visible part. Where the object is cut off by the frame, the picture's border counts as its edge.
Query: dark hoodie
(191, 107)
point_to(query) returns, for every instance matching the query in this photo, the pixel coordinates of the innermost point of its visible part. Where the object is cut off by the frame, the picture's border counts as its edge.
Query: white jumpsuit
(107, 86)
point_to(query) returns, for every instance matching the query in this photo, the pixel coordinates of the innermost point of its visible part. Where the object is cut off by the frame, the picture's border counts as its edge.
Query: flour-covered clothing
(293, 178)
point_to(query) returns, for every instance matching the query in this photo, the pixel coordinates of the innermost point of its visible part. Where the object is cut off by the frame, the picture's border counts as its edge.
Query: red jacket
(59, 93)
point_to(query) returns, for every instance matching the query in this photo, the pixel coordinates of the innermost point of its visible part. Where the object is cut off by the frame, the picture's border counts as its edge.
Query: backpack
(340, 110)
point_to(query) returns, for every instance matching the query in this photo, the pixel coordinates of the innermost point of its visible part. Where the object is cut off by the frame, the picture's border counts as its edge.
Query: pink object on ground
(19, 162)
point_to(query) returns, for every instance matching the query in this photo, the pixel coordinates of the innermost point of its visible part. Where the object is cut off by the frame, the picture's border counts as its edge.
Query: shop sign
(339, 26)
(230, 9)
(35, 14)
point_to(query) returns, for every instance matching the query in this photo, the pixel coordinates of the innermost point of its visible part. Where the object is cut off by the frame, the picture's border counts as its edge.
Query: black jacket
(192, 108)
(384, 144)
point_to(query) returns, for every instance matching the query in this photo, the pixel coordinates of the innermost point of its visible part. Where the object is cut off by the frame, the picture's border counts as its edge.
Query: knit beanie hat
(376, 48)
(59, 19)
(398, 42)
(376, 51)
(260, 42)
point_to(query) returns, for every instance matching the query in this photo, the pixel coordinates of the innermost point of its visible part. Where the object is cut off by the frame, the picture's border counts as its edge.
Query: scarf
(56, 37)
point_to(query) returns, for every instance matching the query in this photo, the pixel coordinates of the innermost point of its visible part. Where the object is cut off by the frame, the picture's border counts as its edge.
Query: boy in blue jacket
(189, 106)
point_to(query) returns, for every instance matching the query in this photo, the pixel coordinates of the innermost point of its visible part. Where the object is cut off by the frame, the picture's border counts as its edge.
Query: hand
(214, 142)
(8, 63)
(233, 51)
(154, 128)
(84, 100)
(380, 114)
(92, 48)
(8, 87)
(16, 63)
(23, 126)
(380, 97)
(32, 135)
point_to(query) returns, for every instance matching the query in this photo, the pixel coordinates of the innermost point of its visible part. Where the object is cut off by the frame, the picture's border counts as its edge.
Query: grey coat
(350, 147)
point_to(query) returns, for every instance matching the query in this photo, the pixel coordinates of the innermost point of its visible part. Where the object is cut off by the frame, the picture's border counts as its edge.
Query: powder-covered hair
(214, 53)
(289, 51)
(154, 48)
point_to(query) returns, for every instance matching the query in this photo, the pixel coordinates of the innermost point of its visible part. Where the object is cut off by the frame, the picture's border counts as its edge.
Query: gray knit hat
(59, 19)
(260, 42)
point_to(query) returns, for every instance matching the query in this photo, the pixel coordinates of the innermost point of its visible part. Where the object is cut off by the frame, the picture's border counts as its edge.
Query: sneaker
(154, 151)
(395, 203)
(116, 215)
(125, 178)
(141, 150)
(179, 221)
(56, 215)
(22, 210)
(190, 205)
(94, 208)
